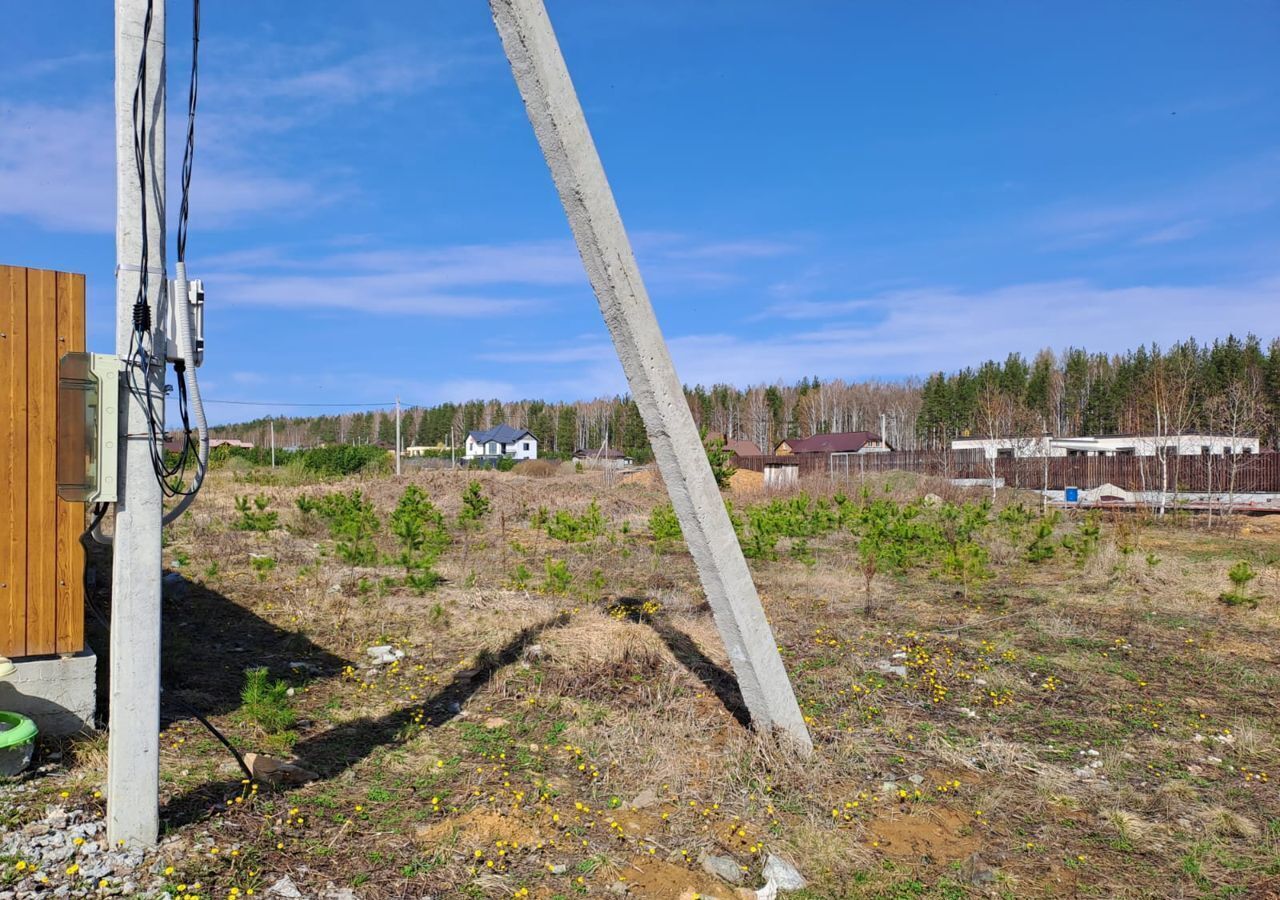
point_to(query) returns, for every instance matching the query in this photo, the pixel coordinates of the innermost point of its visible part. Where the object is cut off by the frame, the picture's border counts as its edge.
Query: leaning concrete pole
(133, 751)
(561, 128)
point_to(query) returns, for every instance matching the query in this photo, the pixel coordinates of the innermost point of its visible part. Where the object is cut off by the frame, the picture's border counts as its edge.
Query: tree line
(1231, 386)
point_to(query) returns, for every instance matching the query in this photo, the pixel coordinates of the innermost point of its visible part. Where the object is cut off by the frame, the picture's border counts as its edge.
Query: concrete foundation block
(58, 693)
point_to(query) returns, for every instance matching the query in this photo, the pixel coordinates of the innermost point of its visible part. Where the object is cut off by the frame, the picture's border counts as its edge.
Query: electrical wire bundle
(143, 357)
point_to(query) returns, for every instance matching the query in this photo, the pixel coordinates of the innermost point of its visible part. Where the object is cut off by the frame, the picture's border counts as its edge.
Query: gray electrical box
(88, 427)
(195, 305)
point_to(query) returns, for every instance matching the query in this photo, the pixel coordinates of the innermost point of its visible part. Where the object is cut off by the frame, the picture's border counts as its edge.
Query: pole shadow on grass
(206, 643)
(717, 679)
(332, 752)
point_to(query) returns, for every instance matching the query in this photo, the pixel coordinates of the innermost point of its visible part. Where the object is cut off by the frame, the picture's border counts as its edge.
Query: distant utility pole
(397, 435)
(562, 133)
(273, 442)
(133, 745)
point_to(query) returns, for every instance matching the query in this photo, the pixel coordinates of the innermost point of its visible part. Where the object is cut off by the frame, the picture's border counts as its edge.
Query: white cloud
(57, 166)
(57, 170)
(401, 294)
(43, 68)
(462, 281)
(326, 75)
(727, 251)
(466, 281)
(1174, 213)
(920, 331)
(57, 161)
(1178, 231)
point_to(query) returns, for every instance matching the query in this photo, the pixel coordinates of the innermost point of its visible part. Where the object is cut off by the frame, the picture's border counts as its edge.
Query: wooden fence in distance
(41, 558)
(1245, 473)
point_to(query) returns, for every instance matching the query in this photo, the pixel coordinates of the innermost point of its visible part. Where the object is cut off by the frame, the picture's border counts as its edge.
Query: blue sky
(837, 189)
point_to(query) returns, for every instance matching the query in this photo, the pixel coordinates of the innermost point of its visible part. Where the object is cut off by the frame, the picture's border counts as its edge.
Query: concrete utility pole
(397, 435)
(561, 129)
(273, 442)
(133, 751)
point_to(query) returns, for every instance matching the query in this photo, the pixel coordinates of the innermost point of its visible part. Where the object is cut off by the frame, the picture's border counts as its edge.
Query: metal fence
(1242, 473)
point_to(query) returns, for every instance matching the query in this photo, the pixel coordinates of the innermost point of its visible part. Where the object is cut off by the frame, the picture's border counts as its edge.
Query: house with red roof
(840, 442)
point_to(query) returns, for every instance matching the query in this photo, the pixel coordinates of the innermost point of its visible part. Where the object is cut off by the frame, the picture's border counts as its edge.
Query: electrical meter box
(195, 305)
(88, 427)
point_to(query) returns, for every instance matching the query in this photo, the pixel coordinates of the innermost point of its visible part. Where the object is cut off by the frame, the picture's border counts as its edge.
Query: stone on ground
(284, 887)
(725, 867)
(779, 872)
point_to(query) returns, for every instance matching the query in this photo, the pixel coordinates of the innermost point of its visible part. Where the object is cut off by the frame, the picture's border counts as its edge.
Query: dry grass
(536, 468)
(520, 711)
(1132, 829)
(1223, 822)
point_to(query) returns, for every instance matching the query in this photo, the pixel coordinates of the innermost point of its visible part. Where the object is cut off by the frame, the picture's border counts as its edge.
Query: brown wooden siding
(41, 558)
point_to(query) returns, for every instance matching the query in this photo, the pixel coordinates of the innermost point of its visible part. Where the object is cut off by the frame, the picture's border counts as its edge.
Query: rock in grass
(384, 654)
(273, 771)
(976, 871)
(644, 799)
(284, 887)
(783, 874)
(724, 867)
(887, 668)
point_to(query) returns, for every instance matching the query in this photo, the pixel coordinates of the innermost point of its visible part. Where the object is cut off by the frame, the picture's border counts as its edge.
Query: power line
(365, 404)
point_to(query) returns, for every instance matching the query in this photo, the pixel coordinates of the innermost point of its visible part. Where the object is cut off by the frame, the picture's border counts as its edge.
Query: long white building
(1108, 445)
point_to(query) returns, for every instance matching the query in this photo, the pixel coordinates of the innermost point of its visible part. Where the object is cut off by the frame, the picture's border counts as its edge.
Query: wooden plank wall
(41, 558)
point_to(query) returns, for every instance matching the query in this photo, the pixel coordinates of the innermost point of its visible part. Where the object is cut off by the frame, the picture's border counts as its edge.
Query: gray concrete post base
(57, 693)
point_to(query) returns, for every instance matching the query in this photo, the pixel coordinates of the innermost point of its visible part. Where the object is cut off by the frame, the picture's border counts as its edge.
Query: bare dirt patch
(478, 829)
(659, 880)
(932, 834)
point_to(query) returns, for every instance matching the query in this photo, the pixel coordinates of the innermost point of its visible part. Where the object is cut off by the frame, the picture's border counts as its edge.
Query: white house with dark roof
(499, 442)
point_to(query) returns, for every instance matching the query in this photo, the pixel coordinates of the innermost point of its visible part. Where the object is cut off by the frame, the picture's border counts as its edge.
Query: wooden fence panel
(13, 462)
(42, 477)
(41, 558)
(69, 630)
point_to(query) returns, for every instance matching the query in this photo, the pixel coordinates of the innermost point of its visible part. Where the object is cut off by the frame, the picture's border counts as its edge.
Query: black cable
(173, 476)
(244, 767)
(99, 510)
(188, 155)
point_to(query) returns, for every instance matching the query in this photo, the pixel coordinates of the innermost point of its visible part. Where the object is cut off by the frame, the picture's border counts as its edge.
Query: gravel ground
(64, 853)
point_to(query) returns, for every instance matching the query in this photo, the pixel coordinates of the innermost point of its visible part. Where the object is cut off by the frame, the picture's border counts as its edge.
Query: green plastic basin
(17, 742)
